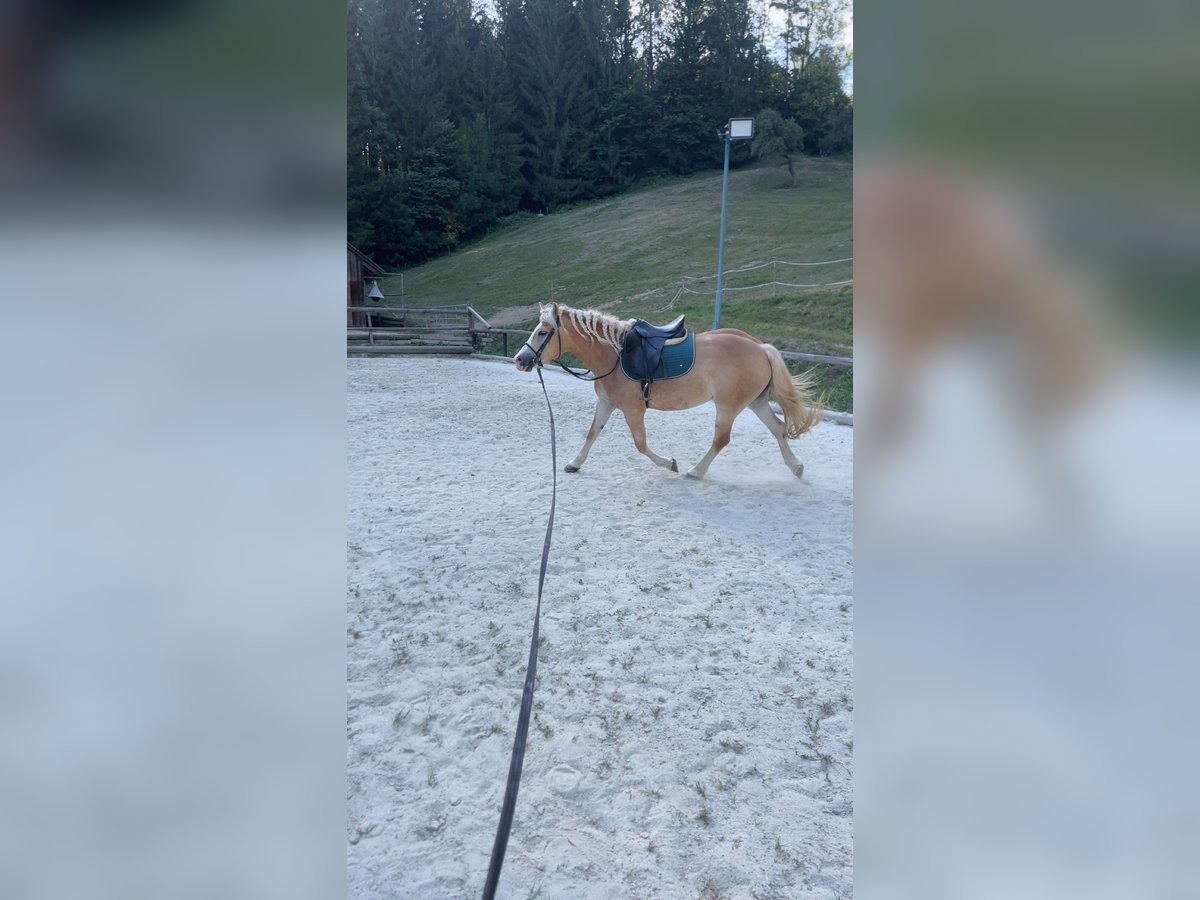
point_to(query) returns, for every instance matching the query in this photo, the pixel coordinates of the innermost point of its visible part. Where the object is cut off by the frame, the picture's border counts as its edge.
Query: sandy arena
(692, 730)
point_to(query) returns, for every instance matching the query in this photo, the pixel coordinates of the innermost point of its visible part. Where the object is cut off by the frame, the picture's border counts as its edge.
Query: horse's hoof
(799, 470)
(570, 468)
(674, 466)
(692, 475)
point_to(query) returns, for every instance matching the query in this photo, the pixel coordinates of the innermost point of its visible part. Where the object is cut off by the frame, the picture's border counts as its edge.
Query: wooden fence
(415, 329)
(461, 326)
(462, 330)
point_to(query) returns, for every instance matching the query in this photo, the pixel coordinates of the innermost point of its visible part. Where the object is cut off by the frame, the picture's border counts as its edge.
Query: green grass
(649, 238)
(631, 254)
(816, 321)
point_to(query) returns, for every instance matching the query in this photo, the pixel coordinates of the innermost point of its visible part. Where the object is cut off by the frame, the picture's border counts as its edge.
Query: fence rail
(461, 329)
(451, 319)
(844, 361)
(413, 329)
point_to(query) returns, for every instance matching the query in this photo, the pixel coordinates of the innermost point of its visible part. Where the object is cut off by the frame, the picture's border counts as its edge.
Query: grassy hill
(631, 255)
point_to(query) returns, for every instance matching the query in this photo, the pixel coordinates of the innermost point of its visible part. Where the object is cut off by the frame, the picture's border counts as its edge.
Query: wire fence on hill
(687, 282)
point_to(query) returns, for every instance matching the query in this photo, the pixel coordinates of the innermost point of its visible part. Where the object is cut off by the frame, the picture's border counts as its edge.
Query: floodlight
(741, 128)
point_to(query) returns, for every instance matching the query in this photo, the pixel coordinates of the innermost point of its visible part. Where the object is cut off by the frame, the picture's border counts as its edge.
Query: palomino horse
(951, 266)
(732, 369)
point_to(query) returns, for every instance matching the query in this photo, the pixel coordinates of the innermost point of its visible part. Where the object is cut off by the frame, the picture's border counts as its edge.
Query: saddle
(643, 348)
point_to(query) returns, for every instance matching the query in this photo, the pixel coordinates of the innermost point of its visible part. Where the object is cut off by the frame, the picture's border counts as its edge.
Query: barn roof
(370, 267)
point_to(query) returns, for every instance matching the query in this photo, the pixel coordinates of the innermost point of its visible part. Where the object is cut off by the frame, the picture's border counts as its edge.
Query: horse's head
(531, 351)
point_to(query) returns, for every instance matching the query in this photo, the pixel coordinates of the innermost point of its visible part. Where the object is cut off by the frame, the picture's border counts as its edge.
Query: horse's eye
(541, 334)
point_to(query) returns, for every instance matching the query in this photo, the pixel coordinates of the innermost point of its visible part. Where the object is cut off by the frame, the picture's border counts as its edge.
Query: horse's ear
(554, 310)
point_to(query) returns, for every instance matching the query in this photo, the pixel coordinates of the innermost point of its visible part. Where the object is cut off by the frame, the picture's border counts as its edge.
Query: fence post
(506, 343)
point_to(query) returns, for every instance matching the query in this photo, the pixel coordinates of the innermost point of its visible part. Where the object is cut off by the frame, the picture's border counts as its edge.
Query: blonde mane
(600, 327)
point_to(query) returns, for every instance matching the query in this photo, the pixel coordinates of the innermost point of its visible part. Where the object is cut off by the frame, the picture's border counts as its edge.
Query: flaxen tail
(794, 396)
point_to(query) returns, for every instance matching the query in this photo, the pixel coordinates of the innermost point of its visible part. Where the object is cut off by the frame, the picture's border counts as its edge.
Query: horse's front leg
(721, 432)
(636, 420)
(604, 409)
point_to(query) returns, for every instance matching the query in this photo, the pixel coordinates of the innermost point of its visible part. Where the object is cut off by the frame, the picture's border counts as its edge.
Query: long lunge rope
(518, 751)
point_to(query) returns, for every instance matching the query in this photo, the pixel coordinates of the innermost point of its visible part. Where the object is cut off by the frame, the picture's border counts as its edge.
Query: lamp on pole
(376, 295)
(737, 129)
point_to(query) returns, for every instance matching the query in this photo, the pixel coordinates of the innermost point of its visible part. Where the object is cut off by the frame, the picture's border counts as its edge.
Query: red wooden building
(359, 267)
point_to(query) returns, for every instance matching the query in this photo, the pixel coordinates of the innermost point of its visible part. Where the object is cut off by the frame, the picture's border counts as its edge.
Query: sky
(846, 39)
(776, 17)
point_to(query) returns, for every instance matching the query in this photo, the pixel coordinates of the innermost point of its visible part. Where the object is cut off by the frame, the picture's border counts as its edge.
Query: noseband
(537, 354)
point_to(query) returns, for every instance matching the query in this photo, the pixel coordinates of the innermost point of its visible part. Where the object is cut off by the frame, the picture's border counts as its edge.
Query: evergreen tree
(819, 103)
(457, 117)
(650, 29)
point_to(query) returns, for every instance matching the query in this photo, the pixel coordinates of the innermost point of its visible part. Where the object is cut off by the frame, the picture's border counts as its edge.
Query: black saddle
(643, 346)
(673, 329)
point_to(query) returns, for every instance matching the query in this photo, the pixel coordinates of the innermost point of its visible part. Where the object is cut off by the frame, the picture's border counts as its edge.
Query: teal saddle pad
(676, 360)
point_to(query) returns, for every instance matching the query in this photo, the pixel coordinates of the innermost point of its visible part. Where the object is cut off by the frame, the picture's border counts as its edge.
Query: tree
(649, 22)
(730, 43)
(808, 26)
(461, 112)
(548, 61)
(839, 137)
(777, 138)
(818, 102)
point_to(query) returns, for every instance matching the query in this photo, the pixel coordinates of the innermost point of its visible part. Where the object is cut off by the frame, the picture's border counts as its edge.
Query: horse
(951, 264)
(732, 369)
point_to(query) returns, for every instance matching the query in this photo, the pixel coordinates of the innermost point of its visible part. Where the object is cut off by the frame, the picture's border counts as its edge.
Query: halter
(557, 329)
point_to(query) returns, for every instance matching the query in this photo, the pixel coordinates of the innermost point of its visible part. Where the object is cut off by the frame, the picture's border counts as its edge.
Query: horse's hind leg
(762, 409)
(721, 433)
(636, 420)
(604, 409)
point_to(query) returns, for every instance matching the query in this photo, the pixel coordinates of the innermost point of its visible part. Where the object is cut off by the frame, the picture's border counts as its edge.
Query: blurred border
(1027, 234)
(171, 675)
(171, 650)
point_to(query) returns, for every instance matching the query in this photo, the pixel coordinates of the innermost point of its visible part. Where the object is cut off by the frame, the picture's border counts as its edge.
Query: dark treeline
(458, 116)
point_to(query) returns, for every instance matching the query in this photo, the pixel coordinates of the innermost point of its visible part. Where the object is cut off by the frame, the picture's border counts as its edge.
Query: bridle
(557, 329)
(537, 353)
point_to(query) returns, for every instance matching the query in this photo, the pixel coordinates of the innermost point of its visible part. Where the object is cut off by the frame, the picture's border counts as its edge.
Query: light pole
(737, 129)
